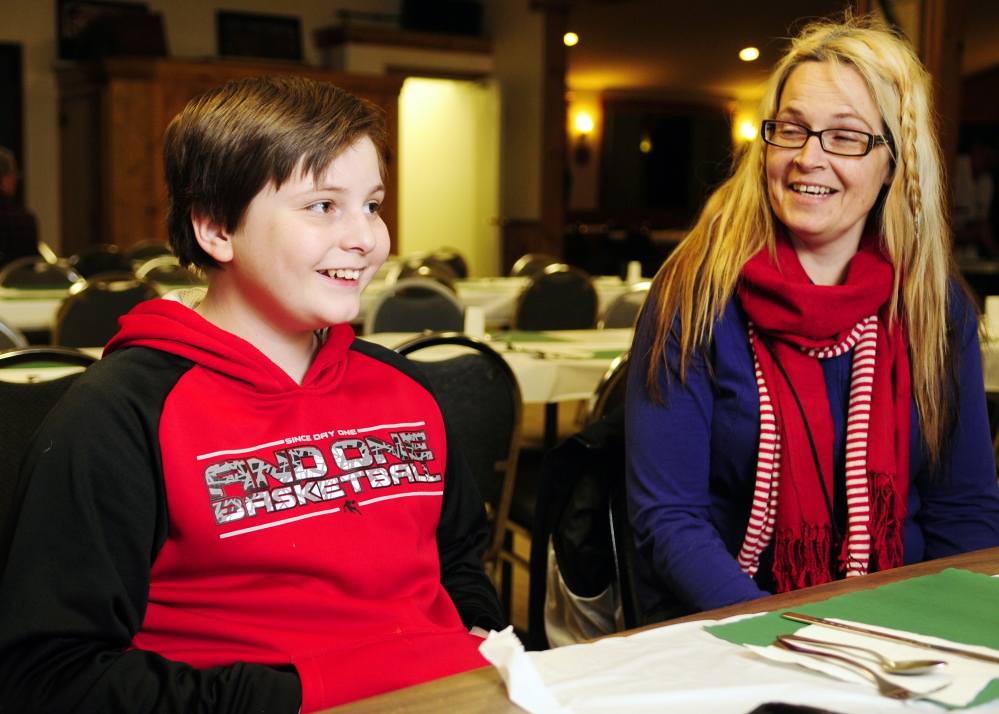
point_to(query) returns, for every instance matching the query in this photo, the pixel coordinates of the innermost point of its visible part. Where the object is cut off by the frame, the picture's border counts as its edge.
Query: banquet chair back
(11, 337)
(89, 316)
(25, 406)
(582, 548)
(48, 255)
(607, 405)
(610, 392)
(481, 402)
(530, 264)
(623, 310)
(97, 259)
(32, 272)
(415, 305)
(423, 265)
(561, 297)
(146, 250)
(574, 593)
(453, 258)
(167, 270)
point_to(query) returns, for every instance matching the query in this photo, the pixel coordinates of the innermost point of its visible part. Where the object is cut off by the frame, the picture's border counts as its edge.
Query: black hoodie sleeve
(462, 539)
(88, 520)
(463, 531)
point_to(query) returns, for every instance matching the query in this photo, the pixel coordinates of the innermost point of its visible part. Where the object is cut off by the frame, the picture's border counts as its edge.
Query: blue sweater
(692, 464)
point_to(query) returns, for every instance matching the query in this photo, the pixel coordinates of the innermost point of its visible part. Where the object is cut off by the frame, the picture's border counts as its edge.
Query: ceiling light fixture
(570, 38)
(749, 54)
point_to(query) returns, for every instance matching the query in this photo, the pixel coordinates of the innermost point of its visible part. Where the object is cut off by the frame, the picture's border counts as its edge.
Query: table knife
(798, 617)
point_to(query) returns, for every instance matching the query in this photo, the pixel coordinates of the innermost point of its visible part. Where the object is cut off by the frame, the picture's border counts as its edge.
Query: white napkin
(680, 669)
(523, 683)
(965, 678)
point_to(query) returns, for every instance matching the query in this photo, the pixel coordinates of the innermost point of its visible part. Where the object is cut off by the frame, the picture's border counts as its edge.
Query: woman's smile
(824, 199)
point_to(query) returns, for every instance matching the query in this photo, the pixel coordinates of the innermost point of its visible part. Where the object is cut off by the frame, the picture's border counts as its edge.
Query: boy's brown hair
(230, 142)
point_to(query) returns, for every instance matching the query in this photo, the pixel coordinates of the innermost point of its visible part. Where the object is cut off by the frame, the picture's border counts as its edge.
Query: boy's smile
(303, 254)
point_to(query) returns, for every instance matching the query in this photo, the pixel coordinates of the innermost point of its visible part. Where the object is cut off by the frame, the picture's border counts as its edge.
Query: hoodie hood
(174, 328)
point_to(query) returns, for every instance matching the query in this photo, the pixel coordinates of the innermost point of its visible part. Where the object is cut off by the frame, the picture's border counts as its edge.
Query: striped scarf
(806, 323)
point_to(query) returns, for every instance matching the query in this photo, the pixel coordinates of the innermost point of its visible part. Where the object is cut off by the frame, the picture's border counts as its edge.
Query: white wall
(448, 170)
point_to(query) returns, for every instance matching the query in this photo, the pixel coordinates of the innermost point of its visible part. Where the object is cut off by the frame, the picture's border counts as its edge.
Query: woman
(806, 400)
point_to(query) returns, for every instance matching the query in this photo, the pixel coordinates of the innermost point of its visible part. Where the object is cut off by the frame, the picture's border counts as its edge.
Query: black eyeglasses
(841, 142)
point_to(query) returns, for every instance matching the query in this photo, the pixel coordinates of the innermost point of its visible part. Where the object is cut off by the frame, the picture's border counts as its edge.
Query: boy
(240, 508)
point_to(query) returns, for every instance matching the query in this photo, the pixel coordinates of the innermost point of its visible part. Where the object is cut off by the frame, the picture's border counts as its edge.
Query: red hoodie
(303, 518)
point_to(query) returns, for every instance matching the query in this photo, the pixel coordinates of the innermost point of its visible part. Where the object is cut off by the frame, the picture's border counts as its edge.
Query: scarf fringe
(886, 523)
(801, 558)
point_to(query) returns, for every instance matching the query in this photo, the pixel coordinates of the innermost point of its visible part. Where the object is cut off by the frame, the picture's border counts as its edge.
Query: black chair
(47, 356)
(607, 404)
(480, 398)
(145, 250)
(423, 265)
(25, 406)
(89, 316)
(623, 310)
(49, 255)
(415, 305)
(530, 264)
(11, 337)
(560, 297)
(581, 514)
(97, 259)
(453, 258)
(33, 272)
(167, 270)
(609, 394)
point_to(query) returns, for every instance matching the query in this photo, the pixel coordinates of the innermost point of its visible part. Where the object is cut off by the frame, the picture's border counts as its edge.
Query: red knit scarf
(806, 323)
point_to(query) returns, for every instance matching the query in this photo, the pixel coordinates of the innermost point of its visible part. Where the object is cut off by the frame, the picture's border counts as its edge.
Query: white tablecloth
(30, 314)
(680, 669)
(497, 296)
(566, 368)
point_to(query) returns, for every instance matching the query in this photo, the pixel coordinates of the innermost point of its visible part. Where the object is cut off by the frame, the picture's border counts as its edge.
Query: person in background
(806, 401)
(240, 507)
(18, 230)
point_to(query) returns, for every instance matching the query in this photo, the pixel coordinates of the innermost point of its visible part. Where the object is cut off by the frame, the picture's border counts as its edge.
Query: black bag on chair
(576, 592)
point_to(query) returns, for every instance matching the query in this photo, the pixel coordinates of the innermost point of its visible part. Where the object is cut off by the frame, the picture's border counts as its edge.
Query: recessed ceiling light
(570, 39)
(749, 54)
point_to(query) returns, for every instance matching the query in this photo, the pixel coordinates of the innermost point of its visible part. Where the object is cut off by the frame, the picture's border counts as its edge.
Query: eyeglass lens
(835, 141)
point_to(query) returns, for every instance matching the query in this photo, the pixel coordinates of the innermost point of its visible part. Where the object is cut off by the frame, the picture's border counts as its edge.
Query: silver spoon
(886, 688)
(905, 666)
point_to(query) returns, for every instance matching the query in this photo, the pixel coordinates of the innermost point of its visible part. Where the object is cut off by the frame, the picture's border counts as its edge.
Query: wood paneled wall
(113, 113)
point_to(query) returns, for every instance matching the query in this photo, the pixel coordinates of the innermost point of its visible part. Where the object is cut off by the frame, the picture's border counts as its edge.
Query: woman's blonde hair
(694, 285)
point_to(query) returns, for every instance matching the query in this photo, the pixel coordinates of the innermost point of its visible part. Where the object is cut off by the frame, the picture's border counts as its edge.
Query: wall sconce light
(645, 143)
(584, 125)
(747, 130)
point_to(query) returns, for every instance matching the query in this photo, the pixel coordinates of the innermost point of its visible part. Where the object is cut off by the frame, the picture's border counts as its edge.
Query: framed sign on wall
(245, 34)
(76, 20)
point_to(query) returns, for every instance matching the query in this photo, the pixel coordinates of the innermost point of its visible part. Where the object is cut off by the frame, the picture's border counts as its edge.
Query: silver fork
(885, 688)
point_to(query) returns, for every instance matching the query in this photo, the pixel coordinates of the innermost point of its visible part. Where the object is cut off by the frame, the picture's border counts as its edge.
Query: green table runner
(957, 605)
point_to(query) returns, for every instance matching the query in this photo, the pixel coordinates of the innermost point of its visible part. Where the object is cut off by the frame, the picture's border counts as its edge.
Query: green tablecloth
(954, 604)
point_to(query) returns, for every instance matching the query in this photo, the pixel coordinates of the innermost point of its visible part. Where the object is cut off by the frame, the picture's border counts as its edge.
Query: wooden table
(482, 690)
